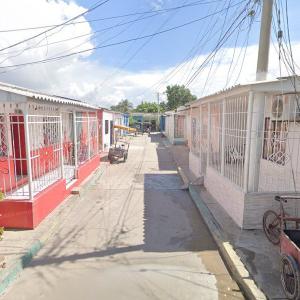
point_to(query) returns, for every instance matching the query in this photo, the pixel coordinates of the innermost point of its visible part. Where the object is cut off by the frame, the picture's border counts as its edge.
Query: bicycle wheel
(271, 226)
(290, 277)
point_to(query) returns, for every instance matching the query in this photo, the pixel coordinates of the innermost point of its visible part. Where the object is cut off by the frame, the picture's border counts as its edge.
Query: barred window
(275, 137)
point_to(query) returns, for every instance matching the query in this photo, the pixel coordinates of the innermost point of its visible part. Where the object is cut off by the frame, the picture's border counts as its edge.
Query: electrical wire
(95, 6)
(112, 44)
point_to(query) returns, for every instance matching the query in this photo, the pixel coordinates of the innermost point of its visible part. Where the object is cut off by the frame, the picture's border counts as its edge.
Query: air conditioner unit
(285, 108)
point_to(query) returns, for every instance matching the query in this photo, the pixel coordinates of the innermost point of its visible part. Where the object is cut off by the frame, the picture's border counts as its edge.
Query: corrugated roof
(43, 96)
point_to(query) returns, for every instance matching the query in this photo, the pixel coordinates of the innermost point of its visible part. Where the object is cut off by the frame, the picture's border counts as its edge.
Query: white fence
(227, 140)
(38, 150)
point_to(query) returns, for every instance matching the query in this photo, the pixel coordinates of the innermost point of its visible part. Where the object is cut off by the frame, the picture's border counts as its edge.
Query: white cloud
(80, 77)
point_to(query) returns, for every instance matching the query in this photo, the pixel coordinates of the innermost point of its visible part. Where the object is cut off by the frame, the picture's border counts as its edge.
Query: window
(106, 127)
(275, 137)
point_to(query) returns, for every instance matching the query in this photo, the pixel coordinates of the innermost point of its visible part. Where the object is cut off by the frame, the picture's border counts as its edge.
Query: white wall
(194, 164)
(106, 136)
(227, 194)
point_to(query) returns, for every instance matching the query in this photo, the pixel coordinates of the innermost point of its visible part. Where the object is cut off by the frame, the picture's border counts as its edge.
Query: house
(151, 119)
(245, 144)
(107, 120)
(48, 145)
(177, 125)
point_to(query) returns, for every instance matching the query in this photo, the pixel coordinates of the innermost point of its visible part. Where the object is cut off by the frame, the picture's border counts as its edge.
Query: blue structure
(138, 118)
(162, 123)
(126, 120)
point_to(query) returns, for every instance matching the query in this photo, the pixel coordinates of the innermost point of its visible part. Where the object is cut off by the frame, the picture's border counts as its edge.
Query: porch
(44, 152)
(245, 144)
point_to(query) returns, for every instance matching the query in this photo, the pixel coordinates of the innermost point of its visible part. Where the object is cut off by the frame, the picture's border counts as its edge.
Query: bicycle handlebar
(284, 198)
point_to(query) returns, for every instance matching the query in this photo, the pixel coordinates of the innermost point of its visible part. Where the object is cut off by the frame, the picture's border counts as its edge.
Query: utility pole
(264, 41)
(158, 111)
(257, 101)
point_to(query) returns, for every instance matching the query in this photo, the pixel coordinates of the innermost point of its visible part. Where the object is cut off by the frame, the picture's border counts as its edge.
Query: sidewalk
(18, 247)
(259, 256)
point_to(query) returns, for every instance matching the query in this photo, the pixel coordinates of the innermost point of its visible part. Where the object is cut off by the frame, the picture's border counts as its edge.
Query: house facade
(48, 145)
(244, 144)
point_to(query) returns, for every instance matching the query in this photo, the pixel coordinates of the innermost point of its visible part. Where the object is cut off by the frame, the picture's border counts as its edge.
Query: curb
(11, 273)
(232, 260)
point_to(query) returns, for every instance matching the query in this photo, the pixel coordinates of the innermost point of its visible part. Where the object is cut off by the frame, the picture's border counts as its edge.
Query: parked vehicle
(118, 150)
(276, 228)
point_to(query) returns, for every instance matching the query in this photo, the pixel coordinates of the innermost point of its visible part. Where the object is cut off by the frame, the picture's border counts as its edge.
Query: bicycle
(274, 223)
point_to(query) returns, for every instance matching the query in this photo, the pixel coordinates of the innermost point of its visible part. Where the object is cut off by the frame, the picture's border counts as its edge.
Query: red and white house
(48, 145)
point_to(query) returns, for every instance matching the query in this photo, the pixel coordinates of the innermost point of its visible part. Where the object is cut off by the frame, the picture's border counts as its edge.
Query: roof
(282, 84)
(43, 96)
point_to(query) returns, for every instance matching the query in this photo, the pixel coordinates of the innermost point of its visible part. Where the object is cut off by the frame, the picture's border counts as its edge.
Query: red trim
(28, 214)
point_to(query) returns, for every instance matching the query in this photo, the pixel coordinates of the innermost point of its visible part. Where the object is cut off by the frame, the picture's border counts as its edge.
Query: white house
(245, 144)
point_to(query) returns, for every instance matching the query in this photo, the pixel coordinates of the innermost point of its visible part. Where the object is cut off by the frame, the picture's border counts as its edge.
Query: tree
(150, 107)
(178, 95)
(124, 106)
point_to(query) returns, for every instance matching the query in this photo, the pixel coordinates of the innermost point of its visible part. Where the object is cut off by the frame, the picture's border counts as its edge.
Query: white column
(75, 140)
(223, 136)
(61, 146)
(28, 155)
(88, 137)
(248, 140)
(208, 134)
(256, 143)
(199, 141)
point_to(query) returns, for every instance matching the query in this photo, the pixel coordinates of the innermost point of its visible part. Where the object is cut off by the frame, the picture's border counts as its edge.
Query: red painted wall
(27, 214)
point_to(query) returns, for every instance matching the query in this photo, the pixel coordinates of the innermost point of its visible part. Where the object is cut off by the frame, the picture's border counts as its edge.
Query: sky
(139, 49)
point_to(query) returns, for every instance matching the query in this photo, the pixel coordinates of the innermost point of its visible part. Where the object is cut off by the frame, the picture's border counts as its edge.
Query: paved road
(133, 234)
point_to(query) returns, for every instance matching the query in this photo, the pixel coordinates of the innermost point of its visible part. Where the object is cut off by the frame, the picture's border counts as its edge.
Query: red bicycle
(274, 222)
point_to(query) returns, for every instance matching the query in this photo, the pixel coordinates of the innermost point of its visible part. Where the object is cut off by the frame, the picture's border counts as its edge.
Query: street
(133, 233)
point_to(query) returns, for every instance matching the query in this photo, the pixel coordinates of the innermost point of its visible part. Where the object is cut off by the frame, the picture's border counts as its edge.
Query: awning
(125, 128)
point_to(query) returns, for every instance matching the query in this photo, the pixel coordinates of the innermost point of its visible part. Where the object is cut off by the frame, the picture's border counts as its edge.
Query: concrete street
(131, 234)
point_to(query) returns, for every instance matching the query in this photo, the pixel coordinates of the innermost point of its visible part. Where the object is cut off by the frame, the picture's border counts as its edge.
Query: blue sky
(139, 69)
(168, 49)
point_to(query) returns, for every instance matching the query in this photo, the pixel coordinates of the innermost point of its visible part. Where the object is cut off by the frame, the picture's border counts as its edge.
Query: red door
(18, 144)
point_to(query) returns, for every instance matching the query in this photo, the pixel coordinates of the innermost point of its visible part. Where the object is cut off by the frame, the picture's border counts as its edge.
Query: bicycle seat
(285, 198)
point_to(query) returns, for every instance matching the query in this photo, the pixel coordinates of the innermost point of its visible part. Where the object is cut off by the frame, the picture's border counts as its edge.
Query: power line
(185, 60)
(112, 44)
(95, 6)
(109, 18)
(221, 42)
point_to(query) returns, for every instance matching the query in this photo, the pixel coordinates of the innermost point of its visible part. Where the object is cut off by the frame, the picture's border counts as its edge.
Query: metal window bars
(38, 150)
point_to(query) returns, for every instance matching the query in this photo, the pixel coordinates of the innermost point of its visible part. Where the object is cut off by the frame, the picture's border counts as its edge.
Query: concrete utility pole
(264, 41)
(257, 101)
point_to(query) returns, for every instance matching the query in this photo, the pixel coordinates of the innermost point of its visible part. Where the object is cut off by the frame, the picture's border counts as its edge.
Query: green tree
(124, 106)
(178, 95)
(150, 107)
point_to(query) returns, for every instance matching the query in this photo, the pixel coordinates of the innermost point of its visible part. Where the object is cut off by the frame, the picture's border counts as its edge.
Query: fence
(38, 150)
(179, 126)
(279, 168)
(87, 136)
